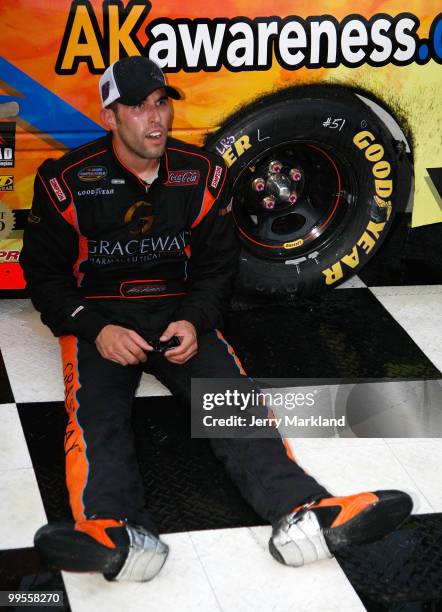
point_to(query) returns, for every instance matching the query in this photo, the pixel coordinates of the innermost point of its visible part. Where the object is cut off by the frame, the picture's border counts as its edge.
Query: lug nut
(259, 184)
(293, 197)
(269, 202)
(275, 167)
(295, 174)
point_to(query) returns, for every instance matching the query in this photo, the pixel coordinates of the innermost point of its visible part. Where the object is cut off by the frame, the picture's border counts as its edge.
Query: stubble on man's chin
(147, 154)
(157, 154)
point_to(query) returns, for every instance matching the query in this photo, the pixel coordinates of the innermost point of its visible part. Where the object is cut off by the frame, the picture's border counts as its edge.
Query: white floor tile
(247, 579)
(418, 309)
(353, 283)
(349, 468)
(422, 460)
(304, 445)
(32, 356)
(149, 386)
(394, 441)
(21, 508)
(13, 448)
(181, 585)
(30, 353)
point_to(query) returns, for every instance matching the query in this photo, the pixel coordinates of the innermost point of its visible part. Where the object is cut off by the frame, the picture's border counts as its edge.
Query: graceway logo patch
(183, 177)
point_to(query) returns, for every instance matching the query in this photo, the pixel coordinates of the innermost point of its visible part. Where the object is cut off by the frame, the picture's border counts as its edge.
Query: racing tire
(316, 180)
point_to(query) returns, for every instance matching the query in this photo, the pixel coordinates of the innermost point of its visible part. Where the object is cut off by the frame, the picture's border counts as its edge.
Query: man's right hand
(122, 345)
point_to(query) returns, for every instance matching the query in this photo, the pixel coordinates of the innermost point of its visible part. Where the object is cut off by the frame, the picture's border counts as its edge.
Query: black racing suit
(102, 247)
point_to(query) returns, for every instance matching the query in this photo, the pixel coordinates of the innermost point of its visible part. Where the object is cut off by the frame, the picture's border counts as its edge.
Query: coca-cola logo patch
(183, 177)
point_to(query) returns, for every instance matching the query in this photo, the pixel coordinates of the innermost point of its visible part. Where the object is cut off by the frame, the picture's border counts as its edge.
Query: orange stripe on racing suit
(96, 528)
(231, 352)
(77, 465)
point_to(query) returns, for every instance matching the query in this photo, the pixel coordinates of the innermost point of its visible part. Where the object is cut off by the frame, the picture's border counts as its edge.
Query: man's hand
(122, 345)
(188, 347)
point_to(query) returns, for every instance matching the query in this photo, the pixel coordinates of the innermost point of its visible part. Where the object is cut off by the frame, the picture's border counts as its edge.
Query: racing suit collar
(128, 173)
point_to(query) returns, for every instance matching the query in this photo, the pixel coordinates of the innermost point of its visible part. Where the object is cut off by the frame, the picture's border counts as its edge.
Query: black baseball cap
(131, 79)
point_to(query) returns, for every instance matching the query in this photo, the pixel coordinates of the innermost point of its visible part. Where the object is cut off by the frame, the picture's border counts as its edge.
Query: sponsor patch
(183, 177)
(7, 144)
(216, 176)
(98, 191)
(6, 182)
(92, 173)
(118, 181)
(61, 197)
(133, 290)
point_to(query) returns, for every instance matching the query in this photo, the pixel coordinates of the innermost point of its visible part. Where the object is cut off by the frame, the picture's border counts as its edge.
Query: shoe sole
(275, 552)
(65, 548)
(376, 521)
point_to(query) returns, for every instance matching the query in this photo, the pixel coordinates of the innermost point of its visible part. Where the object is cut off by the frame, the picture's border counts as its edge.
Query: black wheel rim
(293, 199)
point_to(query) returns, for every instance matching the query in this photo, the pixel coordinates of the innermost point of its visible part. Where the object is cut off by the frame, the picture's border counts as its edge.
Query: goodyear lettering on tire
(381, 170)
(240, 146)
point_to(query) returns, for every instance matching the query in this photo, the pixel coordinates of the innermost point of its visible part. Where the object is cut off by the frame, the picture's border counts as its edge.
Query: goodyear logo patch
(6, 182)
(92, 173)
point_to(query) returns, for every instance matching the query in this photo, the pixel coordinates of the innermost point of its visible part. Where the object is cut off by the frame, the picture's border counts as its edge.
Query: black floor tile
(22, 570)
(338, 334)
(186, 487)
(6, 396)
(402, 572)
(409, 256)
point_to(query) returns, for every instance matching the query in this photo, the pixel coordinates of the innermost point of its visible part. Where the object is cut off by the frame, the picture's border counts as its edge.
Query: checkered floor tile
(384, 324)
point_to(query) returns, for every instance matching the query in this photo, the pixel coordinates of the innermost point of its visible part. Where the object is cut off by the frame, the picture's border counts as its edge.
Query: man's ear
(108, 118)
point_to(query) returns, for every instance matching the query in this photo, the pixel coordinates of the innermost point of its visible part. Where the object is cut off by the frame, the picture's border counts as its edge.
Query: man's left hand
(187, 335)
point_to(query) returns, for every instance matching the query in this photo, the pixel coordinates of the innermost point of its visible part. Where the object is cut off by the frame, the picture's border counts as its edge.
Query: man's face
(142, 129)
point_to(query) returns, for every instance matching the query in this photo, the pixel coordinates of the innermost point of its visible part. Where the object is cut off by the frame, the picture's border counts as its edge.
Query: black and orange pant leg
(102, 472)
(263, 469)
